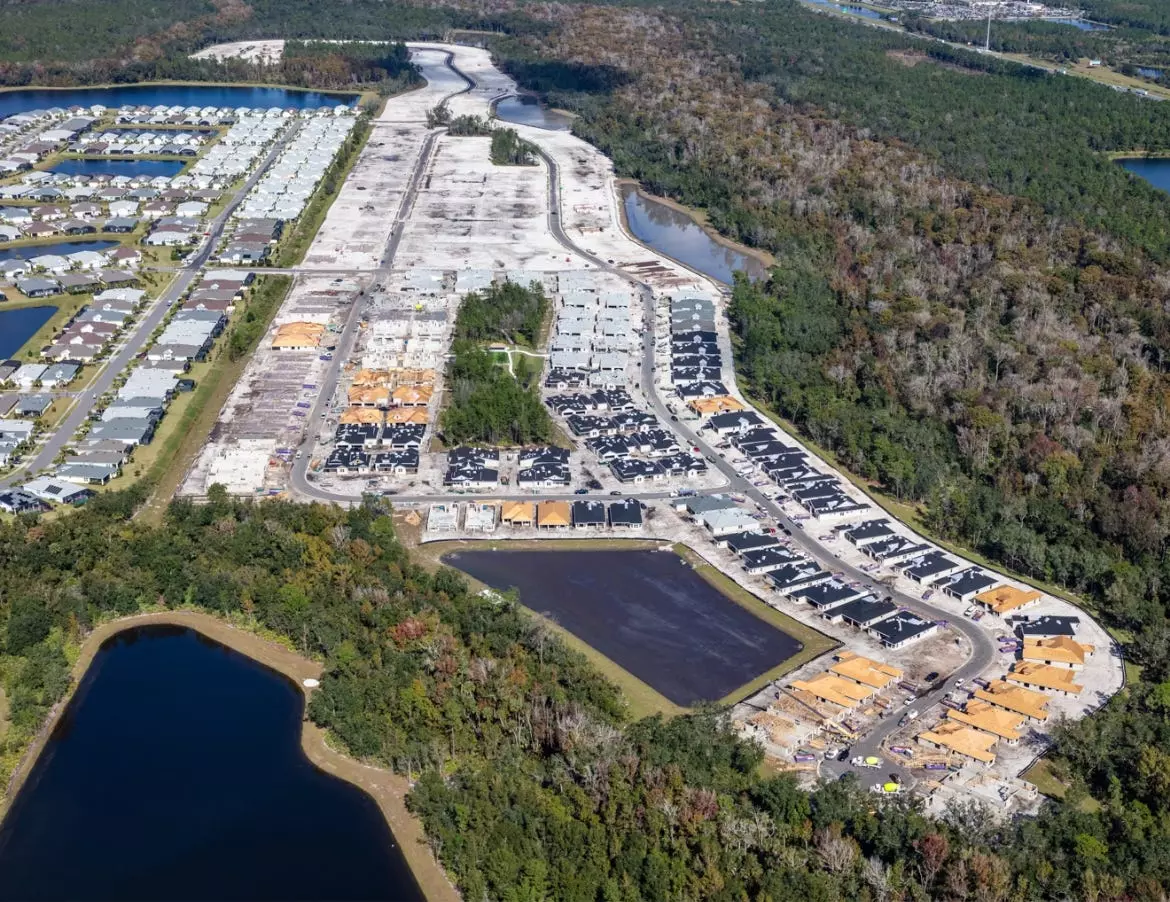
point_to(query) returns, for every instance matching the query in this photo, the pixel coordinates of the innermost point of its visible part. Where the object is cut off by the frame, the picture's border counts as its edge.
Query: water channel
(19, 325)
(177, 773)
(673, 233)
(527, 110)
(25, 99)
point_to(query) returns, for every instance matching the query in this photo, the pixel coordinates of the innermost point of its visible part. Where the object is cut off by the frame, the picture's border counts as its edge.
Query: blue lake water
(1082, 24)
(676, 235)
(19, 325)
(61, 249)
(863, 11)
(23, 100)
(1149, 73)
(1156, 172)
(177, 773)
(132, 168)
(526, 110)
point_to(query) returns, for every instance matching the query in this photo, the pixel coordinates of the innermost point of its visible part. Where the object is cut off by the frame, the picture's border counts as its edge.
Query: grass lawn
(1041, 776)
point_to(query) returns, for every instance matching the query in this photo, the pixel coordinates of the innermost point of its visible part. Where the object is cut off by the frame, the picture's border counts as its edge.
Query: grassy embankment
(165, 461)
(642, 698)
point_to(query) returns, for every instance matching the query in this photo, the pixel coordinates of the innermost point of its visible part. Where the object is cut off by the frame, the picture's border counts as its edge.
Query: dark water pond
(131, 168)
(177, 773)
(646, 611)
(28, 251)
(19, 325)
(1154, 171)
(25, 99)
(526, 110)
(676, 235)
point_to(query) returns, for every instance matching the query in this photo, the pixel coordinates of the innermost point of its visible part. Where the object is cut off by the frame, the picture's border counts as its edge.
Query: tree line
(529, 777)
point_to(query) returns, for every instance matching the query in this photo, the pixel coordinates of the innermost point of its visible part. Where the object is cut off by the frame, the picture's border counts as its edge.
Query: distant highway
(132, 345)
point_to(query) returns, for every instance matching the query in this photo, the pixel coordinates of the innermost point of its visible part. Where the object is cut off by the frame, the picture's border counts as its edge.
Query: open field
(648, 612)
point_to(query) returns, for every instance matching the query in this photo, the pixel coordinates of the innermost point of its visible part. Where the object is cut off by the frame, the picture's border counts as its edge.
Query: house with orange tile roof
(1005, 598)
(553, 515)
(865, 671)
(963, 740)
(1044, 677)
(1059, 651)
(1019, 699)
(986, 717)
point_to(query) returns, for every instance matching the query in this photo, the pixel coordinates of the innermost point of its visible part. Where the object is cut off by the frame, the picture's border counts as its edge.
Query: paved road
(983, 649)
(132, 345)
(299, 477)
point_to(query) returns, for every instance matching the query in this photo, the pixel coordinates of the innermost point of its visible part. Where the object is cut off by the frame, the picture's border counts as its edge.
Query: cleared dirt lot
(646, 611)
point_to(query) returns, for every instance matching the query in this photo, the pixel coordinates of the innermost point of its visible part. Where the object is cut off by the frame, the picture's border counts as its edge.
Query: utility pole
(987, 45)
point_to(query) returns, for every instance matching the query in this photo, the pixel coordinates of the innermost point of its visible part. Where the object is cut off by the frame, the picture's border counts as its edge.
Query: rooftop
(1006, 598)
(965, 740)
(864, 670)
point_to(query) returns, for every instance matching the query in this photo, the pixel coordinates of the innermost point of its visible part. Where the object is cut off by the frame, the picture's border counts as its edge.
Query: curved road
(982, 646)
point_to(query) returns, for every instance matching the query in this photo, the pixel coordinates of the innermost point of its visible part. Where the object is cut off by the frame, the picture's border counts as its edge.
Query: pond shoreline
(387, 789)
(696, 216)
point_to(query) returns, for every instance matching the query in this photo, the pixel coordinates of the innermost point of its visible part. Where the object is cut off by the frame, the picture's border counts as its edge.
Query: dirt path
(387, 789)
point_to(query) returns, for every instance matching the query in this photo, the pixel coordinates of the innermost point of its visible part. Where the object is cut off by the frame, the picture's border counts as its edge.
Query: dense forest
(318, 64)
(488, 405)
(504, 311)
(530, 781)
(1122, 48)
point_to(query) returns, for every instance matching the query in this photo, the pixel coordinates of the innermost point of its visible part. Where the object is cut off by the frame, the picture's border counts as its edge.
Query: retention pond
(647, 611)
(176, 772)
(19, 325)
(675, 234)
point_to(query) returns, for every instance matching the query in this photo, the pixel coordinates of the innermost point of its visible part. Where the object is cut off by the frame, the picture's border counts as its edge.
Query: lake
(61, 248)
(131, 168)
(673, 233)
(25, 99)
(1154, 171)
(1082, 24)
(527, 110)
(1149, 73)
(177, 773)
(647, 611)
(19, 325)
(863, 11)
